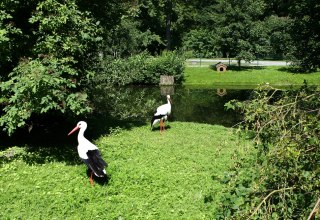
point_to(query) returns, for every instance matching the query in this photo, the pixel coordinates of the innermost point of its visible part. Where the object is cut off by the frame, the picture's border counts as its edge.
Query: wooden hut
(221, 67)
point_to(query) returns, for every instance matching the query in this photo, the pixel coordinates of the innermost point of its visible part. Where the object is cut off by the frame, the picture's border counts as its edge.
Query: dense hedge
(141, 69)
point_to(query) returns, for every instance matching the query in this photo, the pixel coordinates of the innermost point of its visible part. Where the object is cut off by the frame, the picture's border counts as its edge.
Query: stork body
(161, 114)
(89, 153)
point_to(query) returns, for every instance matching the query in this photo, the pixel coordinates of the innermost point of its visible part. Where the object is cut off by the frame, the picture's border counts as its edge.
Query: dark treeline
(51, 50)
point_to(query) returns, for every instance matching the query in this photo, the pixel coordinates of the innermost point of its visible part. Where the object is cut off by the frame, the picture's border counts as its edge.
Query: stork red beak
(170, 100)
(73, 130)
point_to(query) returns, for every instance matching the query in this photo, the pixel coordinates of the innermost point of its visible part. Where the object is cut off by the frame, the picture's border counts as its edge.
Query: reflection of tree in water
(193, 105)
(125, 102)
(206, 106)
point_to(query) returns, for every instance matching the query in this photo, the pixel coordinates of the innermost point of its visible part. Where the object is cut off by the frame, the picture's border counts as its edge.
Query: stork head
(80, 125)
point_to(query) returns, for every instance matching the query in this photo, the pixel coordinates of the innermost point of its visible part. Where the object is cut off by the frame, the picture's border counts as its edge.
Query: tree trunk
(239, 63)
(168, 23)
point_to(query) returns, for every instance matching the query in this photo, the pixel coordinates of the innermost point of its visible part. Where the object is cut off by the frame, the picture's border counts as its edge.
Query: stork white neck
(169, 99)
(81, 134)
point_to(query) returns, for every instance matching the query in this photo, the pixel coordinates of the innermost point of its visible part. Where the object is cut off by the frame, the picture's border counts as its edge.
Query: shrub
(37, 87)
(287, 130)
(141, 69)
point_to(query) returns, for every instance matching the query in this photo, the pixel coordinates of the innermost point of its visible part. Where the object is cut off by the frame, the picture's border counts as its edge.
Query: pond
(190, 104)
(134, 106)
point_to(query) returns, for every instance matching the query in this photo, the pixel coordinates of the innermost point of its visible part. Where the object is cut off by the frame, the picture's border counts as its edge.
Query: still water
(133, 106)
(190, 104)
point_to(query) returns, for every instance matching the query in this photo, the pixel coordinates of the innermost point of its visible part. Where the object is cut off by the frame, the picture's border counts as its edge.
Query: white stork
(161, 114)
(89, 153)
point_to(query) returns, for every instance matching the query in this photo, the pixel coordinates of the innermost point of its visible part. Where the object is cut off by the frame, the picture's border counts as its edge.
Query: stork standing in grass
(89, 153)
(161, 114)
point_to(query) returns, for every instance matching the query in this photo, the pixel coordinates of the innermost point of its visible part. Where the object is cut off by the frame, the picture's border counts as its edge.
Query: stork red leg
(161, 126)
(91, 180)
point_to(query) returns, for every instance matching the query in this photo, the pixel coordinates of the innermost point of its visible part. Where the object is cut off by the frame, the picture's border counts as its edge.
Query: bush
(37, 87)
(286, 127)
(141, 69)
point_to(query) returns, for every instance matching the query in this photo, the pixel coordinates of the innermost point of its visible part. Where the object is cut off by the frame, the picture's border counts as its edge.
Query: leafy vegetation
(40, 86)
(286, 129)
(111, 42)
(179, 174)
(142, 69)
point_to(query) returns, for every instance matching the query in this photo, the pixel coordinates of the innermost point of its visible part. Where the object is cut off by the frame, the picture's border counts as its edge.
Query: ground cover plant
(180, 174)
(248, 76)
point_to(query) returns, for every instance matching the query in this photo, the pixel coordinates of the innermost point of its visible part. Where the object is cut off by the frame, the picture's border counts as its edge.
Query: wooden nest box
(221, 67)
(166, 80)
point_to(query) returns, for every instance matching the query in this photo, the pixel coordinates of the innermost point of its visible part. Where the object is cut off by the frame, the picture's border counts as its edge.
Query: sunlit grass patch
(168, 176)
(276, 76)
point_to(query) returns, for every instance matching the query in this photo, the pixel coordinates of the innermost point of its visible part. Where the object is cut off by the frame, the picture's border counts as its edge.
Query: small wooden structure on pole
(166, 85)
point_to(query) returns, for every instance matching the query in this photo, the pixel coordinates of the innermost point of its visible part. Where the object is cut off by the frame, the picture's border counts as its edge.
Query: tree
(279, 36)
(305, 33)
(15, 40)
(240, 29)
(52, 78)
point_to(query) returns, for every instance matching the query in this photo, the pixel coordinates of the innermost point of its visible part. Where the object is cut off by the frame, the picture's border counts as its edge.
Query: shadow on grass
(294, 70)
(100, 180)
(49, 141)
(241, 68)
(157, 128)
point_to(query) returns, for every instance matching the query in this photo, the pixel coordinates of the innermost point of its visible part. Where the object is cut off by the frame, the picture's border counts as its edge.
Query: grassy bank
(250, 76)
(152, 176)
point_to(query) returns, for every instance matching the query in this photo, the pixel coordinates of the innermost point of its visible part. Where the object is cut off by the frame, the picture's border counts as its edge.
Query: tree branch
(314, 210)
(267, 197)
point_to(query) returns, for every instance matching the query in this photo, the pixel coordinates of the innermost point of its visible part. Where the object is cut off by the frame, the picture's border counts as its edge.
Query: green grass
(249, 76)
(170, 176)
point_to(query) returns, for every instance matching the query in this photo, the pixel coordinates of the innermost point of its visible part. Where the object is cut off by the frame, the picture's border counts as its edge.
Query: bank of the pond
(176, 175)
(248, 77)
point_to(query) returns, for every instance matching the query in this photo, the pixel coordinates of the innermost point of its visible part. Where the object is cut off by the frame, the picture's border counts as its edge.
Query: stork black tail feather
(96, 163)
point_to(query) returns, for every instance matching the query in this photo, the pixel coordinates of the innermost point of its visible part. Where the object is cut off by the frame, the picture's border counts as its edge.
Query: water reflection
(190, 104)
(206, 105)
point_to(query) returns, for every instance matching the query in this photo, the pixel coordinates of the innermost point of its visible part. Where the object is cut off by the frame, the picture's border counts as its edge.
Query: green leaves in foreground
(39, 86)
(286, 128)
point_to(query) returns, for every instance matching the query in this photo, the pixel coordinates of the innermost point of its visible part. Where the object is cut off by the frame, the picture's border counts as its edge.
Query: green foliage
(126, 39)
(287, 131)
(201, 43)
(141, 69)
(37, 87)
(280, 40)
(60, 63)
(240, 30)
(64, 30)
(169, 63)
(7, 32)
(305, 32)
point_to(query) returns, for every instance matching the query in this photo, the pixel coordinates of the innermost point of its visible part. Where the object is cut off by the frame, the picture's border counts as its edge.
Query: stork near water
(89, 153)
(161, 114)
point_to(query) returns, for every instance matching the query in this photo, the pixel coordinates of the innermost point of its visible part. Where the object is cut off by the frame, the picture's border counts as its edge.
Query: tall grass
(151, 176)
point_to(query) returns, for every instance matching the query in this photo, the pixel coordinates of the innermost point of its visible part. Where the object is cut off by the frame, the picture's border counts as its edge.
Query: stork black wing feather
(155, 117)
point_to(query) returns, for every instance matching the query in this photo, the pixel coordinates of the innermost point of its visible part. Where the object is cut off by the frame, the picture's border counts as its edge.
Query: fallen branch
(314, 210)
(265, 199)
